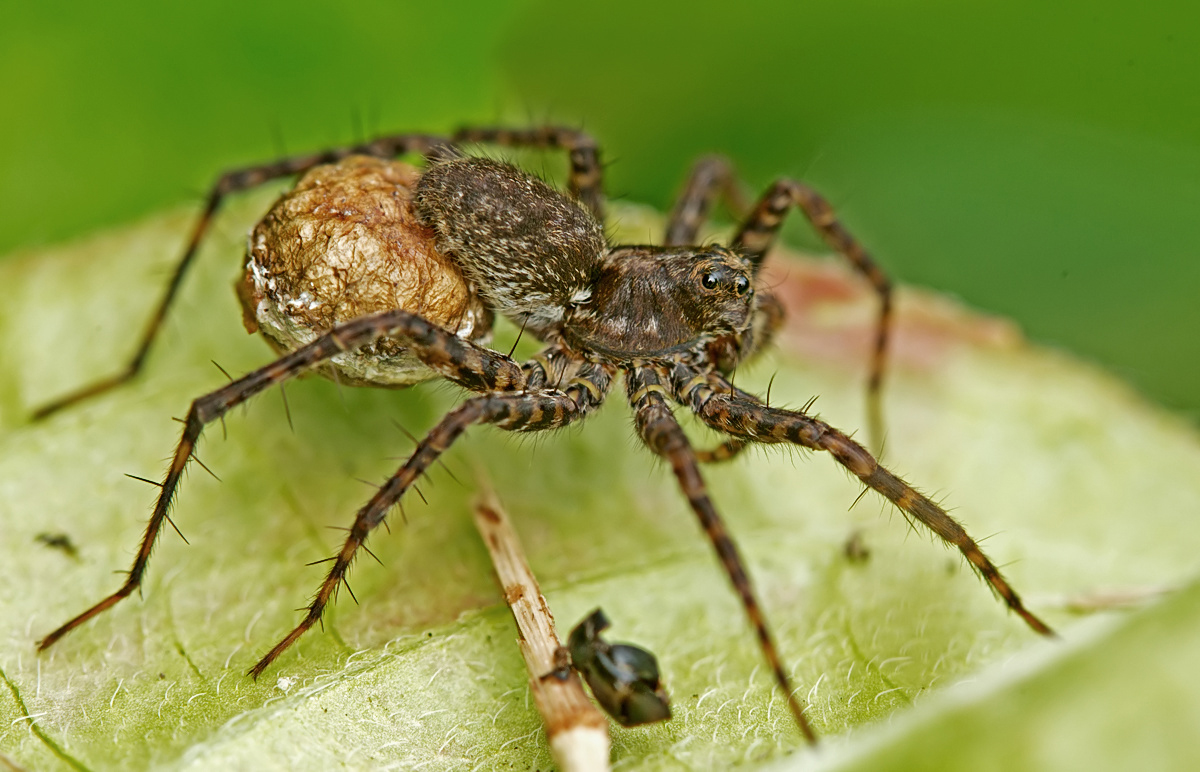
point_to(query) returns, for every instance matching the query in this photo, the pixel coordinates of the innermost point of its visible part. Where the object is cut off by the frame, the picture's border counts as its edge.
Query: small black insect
(623, 678)
(673, 320)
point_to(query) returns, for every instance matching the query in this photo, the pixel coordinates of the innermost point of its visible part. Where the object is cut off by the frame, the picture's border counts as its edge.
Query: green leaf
(906, 659)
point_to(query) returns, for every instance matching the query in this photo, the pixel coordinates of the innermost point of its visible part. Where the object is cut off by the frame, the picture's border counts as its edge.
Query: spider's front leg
(728, 409)
(467, 364)
(662, 434)
(527, 411)
(229, 183)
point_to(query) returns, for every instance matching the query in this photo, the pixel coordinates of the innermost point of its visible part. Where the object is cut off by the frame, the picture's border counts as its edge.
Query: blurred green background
(1041, 160)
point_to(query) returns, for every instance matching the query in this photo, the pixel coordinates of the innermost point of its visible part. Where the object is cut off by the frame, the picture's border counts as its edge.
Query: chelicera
(673, 320)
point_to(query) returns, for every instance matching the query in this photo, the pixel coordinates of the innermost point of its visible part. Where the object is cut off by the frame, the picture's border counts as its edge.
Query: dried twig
(575, 729)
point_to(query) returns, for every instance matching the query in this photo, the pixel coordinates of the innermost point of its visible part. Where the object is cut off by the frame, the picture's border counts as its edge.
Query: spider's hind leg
(228, 183)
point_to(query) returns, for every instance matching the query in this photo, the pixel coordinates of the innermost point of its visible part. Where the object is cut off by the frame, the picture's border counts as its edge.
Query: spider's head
(650, 301)
(717, 291)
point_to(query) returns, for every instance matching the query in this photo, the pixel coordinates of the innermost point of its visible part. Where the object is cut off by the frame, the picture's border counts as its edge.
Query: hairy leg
(656, 425)
(468, 364)
(538, 410)
(729, 351)
(712, 177)
(742, 415)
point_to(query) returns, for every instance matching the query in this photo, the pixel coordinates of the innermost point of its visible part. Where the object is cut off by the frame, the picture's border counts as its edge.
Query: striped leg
(586, 181)
(727, 450)
(740, 414)
(711, 177)
(662, 434)
(469, 365)
(549, 368)
(524, 412)
(757, 235)
(729, 351)
(231, 182)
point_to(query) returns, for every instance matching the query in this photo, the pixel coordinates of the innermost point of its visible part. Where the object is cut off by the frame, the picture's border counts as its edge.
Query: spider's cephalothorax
(652, 302)
(673, 320)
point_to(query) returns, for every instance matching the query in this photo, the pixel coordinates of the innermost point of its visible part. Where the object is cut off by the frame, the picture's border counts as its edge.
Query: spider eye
(709, 281)
(740, 285)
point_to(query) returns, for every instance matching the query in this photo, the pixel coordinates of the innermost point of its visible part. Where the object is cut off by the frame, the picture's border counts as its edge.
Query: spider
(673, 320)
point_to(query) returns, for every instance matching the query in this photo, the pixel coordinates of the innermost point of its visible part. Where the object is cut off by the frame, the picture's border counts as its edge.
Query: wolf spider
(673, 319)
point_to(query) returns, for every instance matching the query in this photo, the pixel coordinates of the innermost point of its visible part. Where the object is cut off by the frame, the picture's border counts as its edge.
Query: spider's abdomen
(529, 249)
(342, 244)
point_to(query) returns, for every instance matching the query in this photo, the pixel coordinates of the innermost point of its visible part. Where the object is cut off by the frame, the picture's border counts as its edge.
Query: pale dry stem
(576, 730)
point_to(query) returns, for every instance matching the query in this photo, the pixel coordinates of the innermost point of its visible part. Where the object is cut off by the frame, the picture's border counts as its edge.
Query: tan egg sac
(345, 243)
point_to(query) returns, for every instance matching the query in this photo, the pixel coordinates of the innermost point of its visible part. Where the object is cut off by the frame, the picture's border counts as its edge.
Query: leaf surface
(1084, 490)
